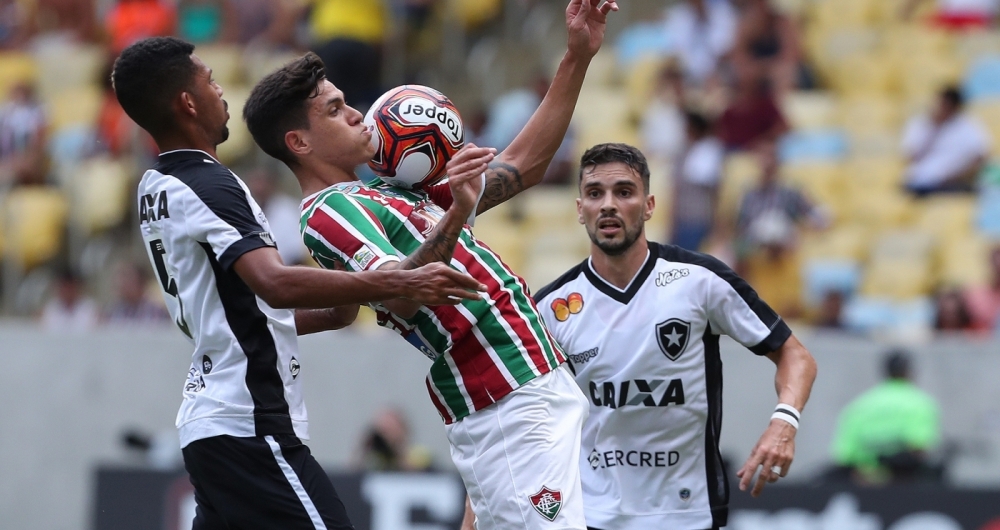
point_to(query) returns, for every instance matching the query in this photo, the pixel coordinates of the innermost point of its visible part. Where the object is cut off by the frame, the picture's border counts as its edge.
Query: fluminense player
(513, 414)
(242, 417)
(640, 323)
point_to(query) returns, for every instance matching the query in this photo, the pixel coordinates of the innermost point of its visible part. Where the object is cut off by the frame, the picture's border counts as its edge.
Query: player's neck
(175, 143)
(619, 270)
(314, 178)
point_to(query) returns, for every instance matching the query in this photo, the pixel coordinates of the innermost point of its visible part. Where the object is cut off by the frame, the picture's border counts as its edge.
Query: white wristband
(787, 413)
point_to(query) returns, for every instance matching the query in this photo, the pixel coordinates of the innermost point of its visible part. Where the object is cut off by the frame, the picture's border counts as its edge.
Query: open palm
(586, 21)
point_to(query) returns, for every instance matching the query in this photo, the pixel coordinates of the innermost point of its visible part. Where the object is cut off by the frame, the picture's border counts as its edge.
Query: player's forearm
(796, 373)
(308, 288)
(440, 243)
(523, 164)
(309, 321)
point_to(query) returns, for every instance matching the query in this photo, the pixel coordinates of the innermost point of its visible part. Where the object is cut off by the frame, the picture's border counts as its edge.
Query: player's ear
(579, 211)
(297, 143)
(186, 104)
(650, 206)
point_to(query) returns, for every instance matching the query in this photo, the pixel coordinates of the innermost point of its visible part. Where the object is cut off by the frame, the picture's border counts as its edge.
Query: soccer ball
(415, 131)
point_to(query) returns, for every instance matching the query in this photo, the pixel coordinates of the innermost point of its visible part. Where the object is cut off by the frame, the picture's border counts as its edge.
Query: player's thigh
(263, 482)
(520, 458)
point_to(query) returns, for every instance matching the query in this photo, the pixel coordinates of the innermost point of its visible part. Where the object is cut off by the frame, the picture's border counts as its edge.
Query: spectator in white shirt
(946, 149)
(702, 32)
(70, 309)
(696, 183)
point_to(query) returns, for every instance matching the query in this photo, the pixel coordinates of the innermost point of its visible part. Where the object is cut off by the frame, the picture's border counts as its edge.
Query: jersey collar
(184, 154)
(622, 296)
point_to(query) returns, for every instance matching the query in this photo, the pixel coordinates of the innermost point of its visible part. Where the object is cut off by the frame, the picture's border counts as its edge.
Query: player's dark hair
(602, 154)
(148, 75)
(897, 365)
(278, 104)
(953, 96)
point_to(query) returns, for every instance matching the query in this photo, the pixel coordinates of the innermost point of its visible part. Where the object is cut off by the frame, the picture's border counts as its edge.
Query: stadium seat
(641, 41)
(100, 189)
(829, 47)
(813, 146)
(35, 223)
(866, 314)
(982, 80)
(864, 74)
(74, 107)
(847, 242)
(862, 174)
(810, 110)
(821, 181)
(947, 217)
(15, 67)
(864, 114)
(987, 110)
(541, 270)
(64, 65)
(879, 208)
(549, 206)
(505, 238)
(964, 261)
(640, 82)
(741, 173)
(842, 13)
(821, 276)
(988, 211)
(226, 62)
(972, 45)
(912, 245)
(898, 279)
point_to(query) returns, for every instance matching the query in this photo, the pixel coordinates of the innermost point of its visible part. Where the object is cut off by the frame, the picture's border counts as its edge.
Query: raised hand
(439, 284)
(465, 171)
(586, 21)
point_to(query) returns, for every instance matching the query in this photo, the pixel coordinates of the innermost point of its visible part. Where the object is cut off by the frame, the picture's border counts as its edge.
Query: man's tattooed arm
(503, 181)
(439, 245)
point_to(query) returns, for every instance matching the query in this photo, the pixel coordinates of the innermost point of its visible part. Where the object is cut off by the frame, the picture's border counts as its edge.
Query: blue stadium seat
(825, 275)
(642, 40)
(814, 145)
(983, 78)
(988, 216)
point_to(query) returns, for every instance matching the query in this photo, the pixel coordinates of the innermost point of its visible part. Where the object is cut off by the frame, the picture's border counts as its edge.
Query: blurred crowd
(839, 154)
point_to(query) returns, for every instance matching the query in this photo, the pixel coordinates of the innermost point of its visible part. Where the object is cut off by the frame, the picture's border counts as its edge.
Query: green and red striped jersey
(482, 349)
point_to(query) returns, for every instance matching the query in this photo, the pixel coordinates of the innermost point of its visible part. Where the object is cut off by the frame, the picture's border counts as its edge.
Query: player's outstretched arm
(308, 321)
(776, 447)
(282, 286)
(523, 164)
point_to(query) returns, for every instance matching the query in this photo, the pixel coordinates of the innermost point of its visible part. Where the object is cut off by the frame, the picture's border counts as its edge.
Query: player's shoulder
(563, 282)
(699, 263)
(206, 177)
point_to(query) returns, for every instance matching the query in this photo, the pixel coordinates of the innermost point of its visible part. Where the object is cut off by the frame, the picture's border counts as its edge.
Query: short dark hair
(278, 104)
(897, 365)
(148, 75)
(953, 96)
(602, 154)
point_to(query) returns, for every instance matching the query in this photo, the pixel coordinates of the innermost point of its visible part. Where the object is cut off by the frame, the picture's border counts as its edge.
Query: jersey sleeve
(343, 230)
(219, 212)
(734, 309)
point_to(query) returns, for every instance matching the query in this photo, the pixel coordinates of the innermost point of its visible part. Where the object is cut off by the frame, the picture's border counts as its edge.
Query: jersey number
(168, 284)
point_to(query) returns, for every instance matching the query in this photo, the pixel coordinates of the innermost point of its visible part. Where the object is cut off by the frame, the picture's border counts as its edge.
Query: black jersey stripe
(249, 325)
(218, 188)
(623, 297)
(779, 329)
(715, 471)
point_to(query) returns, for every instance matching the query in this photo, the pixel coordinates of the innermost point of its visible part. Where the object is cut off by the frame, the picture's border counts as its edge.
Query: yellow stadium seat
(828, 47)
(473, 13)
(863, 174)
(901, 279)
(973, 44)
(541, 270)
(740, 174)
(810, 109)
(16, 67)
(923, 75)
(821, 182)
(886, 12)
(847, 241)
(504, 236)
(75, 106)
(864, 114)
(259, 63)
(964, 261)
(880, 208)
(777, 280)
(842, 13)
(640, 82)
(916, 40)
(66, 66)
(865, 75)
(902, 245)
(226, 62)
(100, 191)
(35, 223)
(947, 217)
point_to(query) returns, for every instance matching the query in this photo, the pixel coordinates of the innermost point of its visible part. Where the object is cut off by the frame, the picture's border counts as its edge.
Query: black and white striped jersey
(197, 217)
(648, 359)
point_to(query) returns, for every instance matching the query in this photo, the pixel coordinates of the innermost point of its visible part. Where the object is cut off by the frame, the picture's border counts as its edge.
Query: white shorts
(520, 457)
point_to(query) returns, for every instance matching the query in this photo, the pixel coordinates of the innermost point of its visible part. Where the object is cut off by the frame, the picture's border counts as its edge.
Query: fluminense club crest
(547, 502)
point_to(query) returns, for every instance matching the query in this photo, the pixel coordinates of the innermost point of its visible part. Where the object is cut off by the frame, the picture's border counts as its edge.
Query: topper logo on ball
(420, 111)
